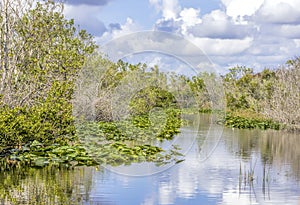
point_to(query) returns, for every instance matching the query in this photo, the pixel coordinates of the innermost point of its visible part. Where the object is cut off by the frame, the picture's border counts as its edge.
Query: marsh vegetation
(64, 104)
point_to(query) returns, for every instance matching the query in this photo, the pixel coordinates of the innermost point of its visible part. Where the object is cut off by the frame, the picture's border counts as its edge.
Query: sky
(253, 33)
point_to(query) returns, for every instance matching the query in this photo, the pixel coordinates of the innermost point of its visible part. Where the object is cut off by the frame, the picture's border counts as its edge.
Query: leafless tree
(284, 104)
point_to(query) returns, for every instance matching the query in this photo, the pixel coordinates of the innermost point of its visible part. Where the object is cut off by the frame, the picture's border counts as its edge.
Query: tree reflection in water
(275, 150)
(49, 185)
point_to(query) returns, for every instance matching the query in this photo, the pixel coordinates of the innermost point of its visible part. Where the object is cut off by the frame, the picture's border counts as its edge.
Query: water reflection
(247, 167)
(44, 186)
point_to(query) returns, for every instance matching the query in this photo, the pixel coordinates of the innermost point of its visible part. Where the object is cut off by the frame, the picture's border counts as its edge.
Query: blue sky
(252, 33)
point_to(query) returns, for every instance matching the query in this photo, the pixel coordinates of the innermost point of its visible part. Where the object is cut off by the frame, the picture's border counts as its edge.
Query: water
(222, 166)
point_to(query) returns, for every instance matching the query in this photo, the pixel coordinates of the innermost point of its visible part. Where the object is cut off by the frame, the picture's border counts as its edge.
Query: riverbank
(250, 120)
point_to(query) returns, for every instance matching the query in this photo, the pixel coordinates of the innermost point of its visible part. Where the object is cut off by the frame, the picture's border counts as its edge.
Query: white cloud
(238, 8)
(222, 46)
(290, 31)
(215, 33)
(219, 25)
(279, 11)
(279, 32)
(169, 9)
(259, 33)
(190, 16)
(270, 11)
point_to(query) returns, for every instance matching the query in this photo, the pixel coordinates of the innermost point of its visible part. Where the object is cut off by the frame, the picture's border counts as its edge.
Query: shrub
(47, 122)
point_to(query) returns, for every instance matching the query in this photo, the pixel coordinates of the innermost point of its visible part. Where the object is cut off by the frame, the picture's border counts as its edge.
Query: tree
(39, 47)
(41, 53)
(284, 102)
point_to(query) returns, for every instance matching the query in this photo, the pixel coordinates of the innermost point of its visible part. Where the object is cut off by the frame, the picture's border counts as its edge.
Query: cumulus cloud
(219, 25)
(268, 11)
(173, 18)
(257, 33)
(190, 16)
(216, 33)
(238, 8)
(279, 12)
(87, 2)
(169, 9)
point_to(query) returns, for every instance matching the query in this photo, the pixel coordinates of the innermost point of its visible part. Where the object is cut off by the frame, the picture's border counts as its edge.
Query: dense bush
(149, 98)
(272, 94)
(48, 122)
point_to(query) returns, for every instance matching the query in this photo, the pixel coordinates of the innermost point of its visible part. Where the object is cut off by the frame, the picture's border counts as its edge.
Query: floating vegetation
(134, 140)
(117, 153)
(36, 154)
(238, 121)
(115, 143)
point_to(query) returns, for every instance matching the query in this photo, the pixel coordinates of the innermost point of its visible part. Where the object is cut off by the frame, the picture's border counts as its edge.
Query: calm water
(222, 166)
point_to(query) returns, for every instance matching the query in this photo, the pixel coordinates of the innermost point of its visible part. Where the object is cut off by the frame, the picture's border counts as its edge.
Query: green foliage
(237, 102)
(147, 99)
(272, 94)
(38, 80)
(246, 90)
(235, 120)
(172, 125)
(163, 125)
(197, 83)
(37, 154)
(113, 143)
(131, 140)
(51, 49)
(49, 122)
(117, 153)
(236, 84)
(199, 91)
